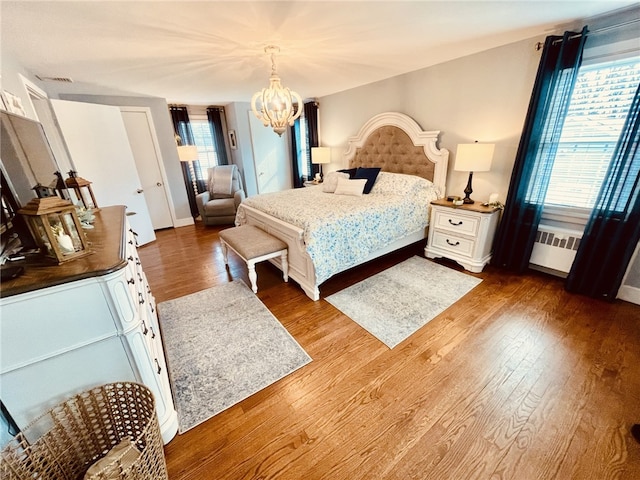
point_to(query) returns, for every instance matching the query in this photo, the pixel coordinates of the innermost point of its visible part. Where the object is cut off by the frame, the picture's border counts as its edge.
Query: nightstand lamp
(473, 157)
(320, 156)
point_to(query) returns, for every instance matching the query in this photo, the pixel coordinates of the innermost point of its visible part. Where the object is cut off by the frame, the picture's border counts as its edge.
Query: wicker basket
(64, 442)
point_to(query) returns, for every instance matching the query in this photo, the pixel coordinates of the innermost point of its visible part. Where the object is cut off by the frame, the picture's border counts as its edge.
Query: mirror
(26, 156)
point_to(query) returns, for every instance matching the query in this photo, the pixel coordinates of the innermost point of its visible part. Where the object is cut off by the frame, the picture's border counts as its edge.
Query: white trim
(629, 294)
(428, 139)
(32, 89)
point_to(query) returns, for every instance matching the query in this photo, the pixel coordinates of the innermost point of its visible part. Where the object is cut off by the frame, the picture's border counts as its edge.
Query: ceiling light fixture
(275, 106)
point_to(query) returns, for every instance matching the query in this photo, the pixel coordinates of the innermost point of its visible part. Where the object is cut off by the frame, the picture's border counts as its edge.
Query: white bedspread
(341, 231)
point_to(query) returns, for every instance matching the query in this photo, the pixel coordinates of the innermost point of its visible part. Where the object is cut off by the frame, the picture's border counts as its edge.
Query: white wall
(238, 120)
(480, 97)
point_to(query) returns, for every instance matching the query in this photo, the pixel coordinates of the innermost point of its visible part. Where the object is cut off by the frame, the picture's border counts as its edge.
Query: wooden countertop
(107, 243)
(477, 207)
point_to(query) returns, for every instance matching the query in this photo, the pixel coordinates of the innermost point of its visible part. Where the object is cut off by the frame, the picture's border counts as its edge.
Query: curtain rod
(539, 45)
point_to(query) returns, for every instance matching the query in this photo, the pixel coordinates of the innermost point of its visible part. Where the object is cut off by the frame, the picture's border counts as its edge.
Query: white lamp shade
(187, 153)
(474, 157)
(320, 155)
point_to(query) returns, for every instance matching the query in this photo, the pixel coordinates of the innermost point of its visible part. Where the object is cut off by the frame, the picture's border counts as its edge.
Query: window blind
(597, 112)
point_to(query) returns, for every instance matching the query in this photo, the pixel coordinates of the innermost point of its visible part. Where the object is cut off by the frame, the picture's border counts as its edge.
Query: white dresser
(67, 328)
(462, 233)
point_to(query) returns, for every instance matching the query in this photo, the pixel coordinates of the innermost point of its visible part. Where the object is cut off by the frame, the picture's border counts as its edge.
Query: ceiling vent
(54, 79)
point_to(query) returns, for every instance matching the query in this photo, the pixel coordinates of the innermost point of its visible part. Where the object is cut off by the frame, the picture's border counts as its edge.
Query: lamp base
(468, 191)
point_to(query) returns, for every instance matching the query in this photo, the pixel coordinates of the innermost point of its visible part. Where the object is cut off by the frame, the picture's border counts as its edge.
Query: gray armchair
(218, 205)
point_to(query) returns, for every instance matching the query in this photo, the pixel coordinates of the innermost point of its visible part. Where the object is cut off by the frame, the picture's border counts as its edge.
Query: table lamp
(320, 155)
(473, 157)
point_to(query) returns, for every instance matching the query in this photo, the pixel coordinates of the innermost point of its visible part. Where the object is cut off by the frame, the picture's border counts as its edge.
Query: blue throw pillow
(370, 174)
(350, 171)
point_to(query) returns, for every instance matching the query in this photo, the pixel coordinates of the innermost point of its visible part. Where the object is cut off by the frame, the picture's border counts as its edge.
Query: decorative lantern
(78, 183)
(55, 228)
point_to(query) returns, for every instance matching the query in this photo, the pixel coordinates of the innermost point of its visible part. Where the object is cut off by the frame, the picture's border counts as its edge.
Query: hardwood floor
(518, 380)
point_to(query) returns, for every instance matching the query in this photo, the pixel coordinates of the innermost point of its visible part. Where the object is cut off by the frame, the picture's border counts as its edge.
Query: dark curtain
(215, 114)
(303, 157)
(555, 79)
(297, 154)
(613, 229)
(182, 129)
(313, 140)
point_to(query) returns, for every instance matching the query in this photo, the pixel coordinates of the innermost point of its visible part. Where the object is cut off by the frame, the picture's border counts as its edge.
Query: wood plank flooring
(518, 380)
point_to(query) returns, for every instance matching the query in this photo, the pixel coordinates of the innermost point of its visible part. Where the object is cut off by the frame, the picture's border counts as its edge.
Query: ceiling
(207, 52)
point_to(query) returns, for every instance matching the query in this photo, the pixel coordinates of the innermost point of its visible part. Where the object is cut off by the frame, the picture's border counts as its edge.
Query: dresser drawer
(453, 243)
(456, 222)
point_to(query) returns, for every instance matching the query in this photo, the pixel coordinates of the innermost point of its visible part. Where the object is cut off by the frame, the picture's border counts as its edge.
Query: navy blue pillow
(350, 171)
(370, 174)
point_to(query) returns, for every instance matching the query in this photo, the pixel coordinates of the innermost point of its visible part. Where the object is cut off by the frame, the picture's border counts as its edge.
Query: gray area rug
(222, 346)
(396, 302)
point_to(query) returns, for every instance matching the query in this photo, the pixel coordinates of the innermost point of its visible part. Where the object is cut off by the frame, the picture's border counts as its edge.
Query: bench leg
(285, 266)
(223, 247)
(253, 276)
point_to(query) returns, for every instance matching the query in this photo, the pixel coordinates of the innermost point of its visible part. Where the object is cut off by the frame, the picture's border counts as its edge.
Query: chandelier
(274, 106)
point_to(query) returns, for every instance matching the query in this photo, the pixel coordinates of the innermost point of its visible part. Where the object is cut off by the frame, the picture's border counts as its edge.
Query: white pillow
(350, 187)
(331, 181)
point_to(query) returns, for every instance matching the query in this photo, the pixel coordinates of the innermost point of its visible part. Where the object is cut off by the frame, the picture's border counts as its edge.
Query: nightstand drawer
(454, 222)
(453, 243)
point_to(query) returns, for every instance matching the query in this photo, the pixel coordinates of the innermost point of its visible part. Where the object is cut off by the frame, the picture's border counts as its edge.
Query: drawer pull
(158, 365)
(453, 244)
(141, 300)
(153, 334)
(131, 281)
(130, 258)
(130, 242)
(146, 330)
(456, 224)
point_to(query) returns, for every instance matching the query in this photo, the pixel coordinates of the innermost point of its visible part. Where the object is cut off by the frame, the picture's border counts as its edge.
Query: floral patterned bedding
(341, 231)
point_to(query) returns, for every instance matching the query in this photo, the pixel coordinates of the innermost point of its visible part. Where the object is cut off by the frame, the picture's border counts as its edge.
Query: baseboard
(629, 294)
(183, 222)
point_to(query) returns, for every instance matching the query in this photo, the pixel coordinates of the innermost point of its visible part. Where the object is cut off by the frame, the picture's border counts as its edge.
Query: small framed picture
(233, 143)
(13, 103)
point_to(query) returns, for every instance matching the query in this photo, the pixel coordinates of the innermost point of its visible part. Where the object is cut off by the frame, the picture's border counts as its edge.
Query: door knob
(159, 184)
(139, 190)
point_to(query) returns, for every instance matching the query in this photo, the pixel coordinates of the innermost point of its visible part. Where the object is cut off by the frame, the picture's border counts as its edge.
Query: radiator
(555, 249)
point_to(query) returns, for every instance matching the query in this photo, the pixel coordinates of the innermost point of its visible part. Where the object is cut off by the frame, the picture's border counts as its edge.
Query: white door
(146, 152)
(100, 152)
(270, 157)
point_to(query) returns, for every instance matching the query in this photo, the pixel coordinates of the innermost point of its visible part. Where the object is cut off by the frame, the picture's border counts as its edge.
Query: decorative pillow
(331, 181)
(350, 171)
(399, 183)
(350, 187)
(118, 459)
(369, 174)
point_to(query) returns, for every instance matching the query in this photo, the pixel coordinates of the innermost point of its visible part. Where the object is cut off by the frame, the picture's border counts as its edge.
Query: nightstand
(462, 233)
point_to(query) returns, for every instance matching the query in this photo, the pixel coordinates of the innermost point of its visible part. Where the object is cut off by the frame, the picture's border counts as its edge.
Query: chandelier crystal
(275, 106)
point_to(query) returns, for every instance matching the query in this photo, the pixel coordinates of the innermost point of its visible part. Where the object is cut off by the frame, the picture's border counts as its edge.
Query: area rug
(222, 346)
(396, 302)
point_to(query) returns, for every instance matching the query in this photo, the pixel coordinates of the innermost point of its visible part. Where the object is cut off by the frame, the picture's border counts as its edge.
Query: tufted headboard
(396, 143)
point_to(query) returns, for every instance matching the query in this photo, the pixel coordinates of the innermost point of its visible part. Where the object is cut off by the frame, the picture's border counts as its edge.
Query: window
(207, 155)
(597, 111)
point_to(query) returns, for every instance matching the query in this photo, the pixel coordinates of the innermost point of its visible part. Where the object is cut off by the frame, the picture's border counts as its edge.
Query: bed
(327, 233)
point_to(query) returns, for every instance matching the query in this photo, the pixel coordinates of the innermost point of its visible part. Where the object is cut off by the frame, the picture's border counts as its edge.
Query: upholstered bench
(254, 245)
